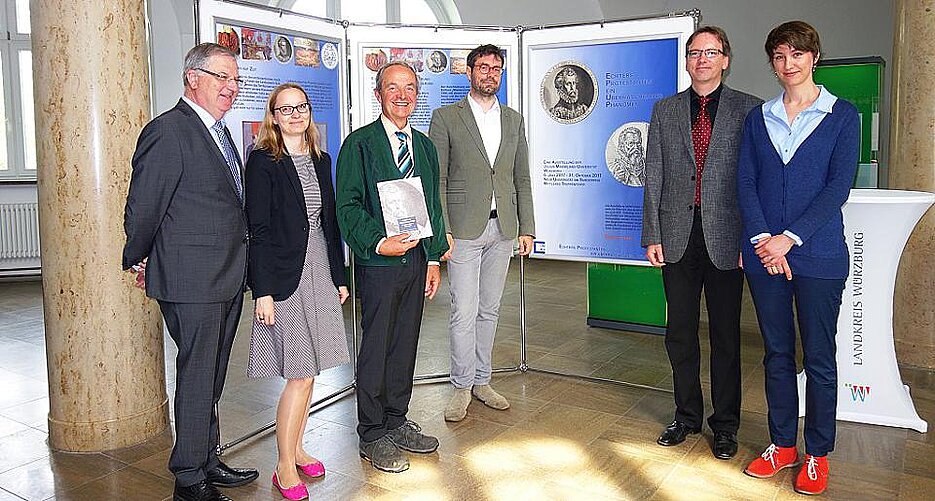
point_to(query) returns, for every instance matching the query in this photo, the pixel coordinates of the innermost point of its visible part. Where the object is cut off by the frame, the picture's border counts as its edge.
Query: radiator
(19, 231)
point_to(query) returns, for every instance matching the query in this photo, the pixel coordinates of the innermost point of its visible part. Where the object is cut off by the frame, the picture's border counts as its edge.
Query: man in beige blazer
(487, 203)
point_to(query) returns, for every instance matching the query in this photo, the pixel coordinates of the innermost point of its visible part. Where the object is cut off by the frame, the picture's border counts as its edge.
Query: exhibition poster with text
(442, 79)
(588, 131)
(265, 60)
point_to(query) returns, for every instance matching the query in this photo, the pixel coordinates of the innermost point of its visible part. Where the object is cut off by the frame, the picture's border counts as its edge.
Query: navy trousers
(817, 304)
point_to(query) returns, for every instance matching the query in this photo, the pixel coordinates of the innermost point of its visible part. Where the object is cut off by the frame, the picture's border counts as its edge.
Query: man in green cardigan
(394, 274)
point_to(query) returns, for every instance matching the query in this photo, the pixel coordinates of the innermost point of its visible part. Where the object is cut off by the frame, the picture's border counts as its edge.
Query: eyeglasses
(222, 77)
(708, 53)
(486, 68)
(288, 109)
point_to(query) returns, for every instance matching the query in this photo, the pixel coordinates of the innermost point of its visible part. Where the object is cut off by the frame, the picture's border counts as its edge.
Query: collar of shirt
(715, 95)
(787, 138)
(695, 106)
(202, 113)
(390, 128)
(823, 104)
(207, 120)
(479, 110)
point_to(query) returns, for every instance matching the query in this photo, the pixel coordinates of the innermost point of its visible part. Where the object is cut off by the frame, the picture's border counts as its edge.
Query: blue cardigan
(804, 196)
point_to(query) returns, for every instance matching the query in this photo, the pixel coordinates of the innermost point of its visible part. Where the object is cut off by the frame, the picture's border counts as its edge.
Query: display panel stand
(877, 225)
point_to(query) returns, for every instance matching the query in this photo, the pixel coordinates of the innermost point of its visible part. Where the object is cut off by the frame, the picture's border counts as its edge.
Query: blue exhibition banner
(268, 58)
(442, 78)
(588, 132)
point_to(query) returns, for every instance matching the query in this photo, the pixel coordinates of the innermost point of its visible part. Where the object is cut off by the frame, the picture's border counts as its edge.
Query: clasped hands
(772, 252)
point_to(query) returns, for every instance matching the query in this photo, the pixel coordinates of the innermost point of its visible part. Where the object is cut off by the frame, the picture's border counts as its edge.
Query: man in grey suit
(691, 226)
(487, 203)
(187, 240)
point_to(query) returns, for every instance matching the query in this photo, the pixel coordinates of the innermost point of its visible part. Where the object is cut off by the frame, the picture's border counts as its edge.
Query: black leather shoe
(202, 491)
(725, 444)
(225, 476)
(675, 434)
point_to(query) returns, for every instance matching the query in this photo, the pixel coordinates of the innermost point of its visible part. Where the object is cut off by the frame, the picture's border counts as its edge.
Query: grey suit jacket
(468, 178)
(669, 193)
(183, 213)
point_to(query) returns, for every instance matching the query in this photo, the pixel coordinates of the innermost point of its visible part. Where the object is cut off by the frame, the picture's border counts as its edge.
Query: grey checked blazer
(468, 177)
(669, 193)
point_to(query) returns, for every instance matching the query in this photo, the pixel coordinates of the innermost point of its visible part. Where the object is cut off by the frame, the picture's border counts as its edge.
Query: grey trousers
(476, 274)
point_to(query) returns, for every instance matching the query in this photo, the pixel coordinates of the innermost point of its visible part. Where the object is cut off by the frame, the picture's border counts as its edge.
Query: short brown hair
(484, 50)
(718, 33)
(796, 34)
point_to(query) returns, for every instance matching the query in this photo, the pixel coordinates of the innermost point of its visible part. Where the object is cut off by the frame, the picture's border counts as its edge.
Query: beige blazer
(468, 178)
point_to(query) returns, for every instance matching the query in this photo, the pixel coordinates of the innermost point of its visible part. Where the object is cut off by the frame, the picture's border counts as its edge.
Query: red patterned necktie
(701, 137)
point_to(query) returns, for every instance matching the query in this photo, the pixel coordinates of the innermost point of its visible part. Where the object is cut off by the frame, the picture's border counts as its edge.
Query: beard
(485, 87)
(634, 156)
(568, 97)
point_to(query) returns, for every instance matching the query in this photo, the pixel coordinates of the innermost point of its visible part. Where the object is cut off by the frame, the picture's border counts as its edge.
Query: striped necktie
(233, 163)
(404, 156)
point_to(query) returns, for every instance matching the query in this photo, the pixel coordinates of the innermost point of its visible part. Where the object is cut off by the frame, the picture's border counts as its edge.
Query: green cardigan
(366, 159)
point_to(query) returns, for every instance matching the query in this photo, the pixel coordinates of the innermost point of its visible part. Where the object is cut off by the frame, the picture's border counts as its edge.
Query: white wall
(172, 33)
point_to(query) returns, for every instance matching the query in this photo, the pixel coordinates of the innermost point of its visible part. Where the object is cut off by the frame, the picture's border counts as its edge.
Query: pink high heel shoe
(313, 470)
(295, 493)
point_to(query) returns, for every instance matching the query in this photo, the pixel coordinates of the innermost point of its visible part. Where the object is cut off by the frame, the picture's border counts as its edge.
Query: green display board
(860, 81)
(626, 297)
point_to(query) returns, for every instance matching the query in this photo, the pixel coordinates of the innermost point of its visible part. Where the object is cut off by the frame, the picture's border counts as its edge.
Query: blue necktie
(233, 163)
(404, 156)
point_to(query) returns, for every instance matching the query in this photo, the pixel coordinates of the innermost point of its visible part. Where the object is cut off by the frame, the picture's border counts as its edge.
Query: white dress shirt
(488, 122)
(208, 120)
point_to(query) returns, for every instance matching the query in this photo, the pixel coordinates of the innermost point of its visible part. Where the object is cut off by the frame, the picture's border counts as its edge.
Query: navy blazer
(279, 224)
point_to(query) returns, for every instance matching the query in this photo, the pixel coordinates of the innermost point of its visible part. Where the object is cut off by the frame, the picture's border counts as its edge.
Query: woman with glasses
(798, 159)
(296, 272)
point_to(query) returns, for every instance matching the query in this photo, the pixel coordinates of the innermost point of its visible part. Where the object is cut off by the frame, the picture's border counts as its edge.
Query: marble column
(912, 167)
(104, 343)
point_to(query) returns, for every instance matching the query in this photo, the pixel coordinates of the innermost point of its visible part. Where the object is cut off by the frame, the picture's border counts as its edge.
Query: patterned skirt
(308, 334)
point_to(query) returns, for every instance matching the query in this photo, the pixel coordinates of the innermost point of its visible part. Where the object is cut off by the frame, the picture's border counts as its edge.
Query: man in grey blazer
(691, 226)
(187, 240)
(487, 203)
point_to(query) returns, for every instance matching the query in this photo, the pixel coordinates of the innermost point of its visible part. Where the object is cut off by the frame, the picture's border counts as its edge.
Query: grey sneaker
(409, 437)
(491, 398)
(457, 406)
(384, 455)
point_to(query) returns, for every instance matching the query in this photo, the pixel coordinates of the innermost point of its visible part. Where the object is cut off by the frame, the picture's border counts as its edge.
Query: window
(311, 7)
(365, 11)
(17, 125)
(416, 12)
(374, 11)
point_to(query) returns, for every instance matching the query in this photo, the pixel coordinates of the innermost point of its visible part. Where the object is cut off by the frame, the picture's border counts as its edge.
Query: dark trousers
(204, 334)
(391, 300)
(683, 282)
(817, 304)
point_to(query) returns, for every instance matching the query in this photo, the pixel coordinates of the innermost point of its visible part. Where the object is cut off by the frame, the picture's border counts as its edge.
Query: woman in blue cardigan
(798, 159)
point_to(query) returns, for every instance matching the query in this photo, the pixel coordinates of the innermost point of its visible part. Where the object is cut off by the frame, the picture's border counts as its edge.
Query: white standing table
(877, 225)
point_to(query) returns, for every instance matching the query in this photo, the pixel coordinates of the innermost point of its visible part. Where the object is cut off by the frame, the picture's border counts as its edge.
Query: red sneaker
(772, 460)
(813, 477)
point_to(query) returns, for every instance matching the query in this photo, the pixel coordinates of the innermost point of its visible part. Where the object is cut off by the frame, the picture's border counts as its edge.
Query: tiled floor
(563, 438)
